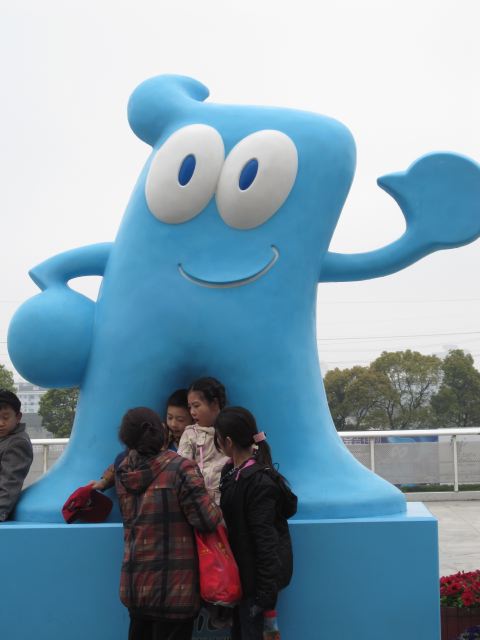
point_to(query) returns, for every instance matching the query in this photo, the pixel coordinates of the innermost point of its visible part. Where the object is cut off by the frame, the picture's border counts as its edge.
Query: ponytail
(263, 454)
(240, 426)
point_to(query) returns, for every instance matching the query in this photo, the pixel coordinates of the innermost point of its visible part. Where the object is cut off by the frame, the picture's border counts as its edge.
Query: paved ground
(459, 534)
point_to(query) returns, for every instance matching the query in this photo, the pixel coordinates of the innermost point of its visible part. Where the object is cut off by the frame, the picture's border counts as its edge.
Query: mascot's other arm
(439, 196)
(83, 261)
(50, 335)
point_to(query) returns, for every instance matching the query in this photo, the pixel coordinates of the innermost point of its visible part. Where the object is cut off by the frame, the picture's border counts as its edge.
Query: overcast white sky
(403, 76)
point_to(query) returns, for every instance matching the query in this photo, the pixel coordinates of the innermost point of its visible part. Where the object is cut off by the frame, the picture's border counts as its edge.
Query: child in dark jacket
(177, 417)
(256, 502)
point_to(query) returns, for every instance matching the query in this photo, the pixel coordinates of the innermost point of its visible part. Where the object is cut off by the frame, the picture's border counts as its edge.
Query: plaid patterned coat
(162, 499)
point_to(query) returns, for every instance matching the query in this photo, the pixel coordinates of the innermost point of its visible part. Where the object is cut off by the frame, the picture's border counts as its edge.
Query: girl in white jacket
(206, 398)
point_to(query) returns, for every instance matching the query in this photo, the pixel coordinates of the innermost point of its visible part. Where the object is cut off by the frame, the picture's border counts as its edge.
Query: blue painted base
(362, 579)
(61, 582)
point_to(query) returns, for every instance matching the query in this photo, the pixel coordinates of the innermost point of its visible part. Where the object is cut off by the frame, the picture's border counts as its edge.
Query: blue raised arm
(439, 196)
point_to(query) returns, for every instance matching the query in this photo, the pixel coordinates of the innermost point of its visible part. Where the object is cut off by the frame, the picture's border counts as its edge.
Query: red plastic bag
(219, 576)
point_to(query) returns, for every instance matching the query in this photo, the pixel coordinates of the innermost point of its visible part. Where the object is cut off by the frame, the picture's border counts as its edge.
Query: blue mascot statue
(214, 271)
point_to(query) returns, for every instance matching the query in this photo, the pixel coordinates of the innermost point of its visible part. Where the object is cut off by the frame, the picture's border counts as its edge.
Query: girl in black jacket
(256, 502)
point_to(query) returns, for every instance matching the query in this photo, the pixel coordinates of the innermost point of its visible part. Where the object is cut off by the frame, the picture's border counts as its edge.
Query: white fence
(46, 452)
(451, 456)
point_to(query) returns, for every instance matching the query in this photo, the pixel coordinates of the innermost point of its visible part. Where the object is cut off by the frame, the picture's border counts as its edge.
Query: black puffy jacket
(256, 507)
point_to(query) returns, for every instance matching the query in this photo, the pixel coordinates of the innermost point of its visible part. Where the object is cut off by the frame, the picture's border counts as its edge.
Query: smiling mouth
(232, 283)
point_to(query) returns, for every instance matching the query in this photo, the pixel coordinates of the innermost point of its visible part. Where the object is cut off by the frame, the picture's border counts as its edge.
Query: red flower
(460, 589)
(454, 588)
(468, 598)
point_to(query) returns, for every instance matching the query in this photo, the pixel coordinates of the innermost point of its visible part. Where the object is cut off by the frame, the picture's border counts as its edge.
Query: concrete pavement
(459, 534)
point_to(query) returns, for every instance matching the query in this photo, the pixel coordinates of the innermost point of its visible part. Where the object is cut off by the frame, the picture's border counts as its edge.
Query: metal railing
(371, 437)
(410, 433)
(46, 443)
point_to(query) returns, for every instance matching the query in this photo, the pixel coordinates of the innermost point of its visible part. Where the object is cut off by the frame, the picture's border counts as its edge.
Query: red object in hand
(86, 504)
(219, 576)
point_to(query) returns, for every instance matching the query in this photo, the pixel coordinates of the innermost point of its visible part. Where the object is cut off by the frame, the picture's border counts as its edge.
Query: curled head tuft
(155, 101)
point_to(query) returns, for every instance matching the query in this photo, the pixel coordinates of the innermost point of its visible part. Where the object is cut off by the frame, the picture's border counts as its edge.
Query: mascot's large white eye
(256, 178)
(184, 173)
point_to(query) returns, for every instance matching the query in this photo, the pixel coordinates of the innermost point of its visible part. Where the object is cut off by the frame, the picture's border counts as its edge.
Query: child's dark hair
(142, 429)
(10, 400)
(178, 398)
(212, 390)
(240, 425)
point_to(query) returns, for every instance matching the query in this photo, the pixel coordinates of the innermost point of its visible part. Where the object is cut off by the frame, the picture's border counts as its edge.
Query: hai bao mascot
(214, 271)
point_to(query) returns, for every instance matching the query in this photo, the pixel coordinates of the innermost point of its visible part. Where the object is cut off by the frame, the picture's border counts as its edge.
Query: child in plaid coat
(162, 499)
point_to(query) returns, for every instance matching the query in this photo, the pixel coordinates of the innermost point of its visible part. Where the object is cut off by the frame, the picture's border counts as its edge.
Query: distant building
(29, 395)
(33, 426)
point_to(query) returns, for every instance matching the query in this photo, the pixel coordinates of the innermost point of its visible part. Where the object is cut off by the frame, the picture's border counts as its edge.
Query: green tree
(336, 381)
(57, 408)
(365, 393)
(457, 403)
(353, 394)
(413, 379)
(6, 379)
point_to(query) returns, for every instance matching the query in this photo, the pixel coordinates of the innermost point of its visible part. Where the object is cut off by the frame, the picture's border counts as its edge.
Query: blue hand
(440, 198)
